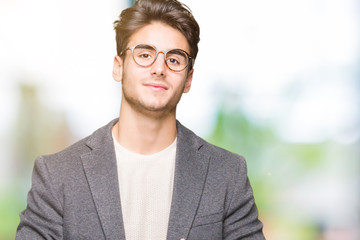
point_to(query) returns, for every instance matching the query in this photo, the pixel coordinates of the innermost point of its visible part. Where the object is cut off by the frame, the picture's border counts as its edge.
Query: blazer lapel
(190, 174)
(101, 172)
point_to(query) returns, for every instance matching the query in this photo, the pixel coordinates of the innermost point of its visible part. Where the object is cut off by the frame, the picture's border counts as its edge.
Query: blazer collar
(191, 168)
(101, 173)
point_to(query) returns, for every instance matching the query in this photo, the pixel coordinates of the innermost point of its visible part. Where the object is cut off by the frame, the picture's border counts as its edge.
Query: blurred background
(276, 81)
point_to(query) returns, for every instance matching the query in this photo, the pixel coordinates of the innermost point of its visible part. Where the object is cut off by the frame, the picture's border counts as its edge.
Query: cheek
(127, 82)
(180, 88)
(128, 75)
(183, 87)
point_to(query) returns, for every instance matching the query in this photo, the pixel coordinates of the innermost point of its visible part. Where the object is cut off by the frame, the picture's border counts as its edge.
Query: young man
(144, 175)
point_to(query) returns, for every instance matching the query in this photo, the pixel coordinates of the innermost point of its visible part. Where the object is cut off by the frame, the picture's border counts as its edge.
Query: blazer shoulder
(218, 154)
(76, 149)
(224, 158)
(97, 139)
(221, 152)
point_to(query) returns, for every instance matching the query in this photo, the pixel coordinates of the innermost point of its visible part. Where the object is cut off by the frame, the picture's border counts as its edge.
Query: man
(144, 175)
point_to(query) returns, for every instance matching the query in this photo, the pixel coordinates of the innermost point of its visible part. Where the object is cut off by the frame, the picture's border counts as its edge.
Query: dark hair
(143, 12)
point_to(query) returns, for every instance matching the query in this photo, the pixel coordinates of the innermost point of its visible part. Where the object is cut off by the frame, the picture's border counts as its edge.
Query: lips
(156, 86)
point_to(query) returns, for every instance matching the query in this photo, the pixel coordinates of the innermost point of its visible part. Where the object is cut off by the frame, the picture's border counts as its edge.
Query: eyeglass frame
(189, 62)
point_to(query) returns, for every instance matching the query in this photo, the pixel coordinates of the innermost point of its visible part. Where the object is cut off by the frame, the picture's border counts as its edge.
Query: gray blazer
(75, 193)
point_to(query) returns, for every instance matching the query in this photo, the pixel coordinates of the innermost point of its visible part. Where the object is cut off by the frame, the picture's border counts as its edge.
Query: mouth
(156, 86)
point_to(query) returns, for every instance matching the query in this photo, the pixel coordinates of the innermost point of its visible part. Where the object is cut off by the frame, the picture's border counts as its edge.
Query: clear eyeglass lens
(145, 55)
(176, 59)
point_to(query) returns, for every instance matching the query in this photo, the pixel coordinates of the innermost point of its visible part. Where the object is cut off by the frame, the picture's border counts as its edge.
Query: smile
(156, 86)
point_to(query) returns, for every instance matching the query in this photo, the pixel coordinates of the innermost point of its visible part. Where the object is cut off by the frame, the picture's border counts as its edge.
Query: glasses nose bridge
(157, 55)
(160, 51)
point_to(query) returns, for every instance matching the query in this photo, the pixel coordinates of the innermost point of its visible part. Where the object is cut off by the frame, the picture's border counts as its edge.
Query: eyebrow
(145, 46)
(178, 52)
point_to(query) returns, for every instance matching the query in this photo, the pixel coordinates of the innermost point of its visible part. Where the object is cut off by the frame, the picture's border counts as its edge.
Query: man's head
(145, 12)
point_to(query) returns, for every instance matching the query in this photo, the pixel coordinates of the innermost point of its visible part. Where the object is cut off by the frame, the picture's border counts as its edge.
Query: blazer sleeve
(42, 218)
(241, 217)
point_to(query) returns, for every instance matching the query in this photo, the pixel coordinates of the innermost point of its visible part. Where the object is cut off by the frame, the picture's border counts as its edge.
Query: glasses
(145, 55)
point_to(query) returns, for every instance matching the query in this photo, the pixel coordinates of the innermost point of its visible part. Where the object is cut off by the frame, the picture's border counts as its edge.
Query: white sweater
(146, 186)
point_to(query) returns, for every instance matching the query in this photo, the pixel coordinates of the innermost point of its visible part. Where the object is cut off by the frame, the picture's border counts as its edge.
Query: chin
(160, 109)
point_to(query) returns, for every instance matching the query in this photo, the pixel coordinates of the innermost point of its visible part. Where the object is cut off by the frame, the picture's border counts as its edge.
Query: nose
(159, 66)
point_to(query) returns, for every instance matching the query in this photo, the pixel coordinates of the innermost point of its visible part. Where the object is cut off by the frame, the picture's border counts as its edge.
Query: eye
(144, 51)
(173, 61)
(176, 57)
(144, 55)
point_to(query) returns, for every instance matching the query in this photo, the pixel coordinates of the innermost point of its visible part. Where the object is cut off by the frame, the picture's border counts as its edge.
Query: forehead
(160, 35)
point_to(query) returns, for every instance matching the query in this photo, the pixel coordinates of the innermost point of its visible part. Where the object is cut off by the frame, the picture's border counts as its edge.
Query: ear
(188, 81)
(117, 69)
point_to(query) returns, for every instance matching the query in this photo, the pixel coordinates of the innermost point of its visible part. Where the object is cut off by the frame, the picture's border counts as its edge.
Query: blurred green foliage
(273, 166)
(11, 204)
(37, 130)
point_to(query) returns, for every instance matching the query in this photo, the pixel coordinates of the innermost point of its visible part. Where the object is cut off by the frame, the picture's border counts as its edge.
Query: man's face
(153, 89)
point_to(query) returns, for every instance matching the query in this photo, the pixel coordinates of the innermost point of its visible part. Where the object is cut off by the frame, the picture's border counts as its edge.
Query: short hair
(144, 12)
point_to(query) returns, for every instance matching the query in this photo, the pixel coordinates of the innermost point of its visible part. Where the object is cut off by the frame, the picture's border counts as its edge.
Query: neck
(145, 133)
